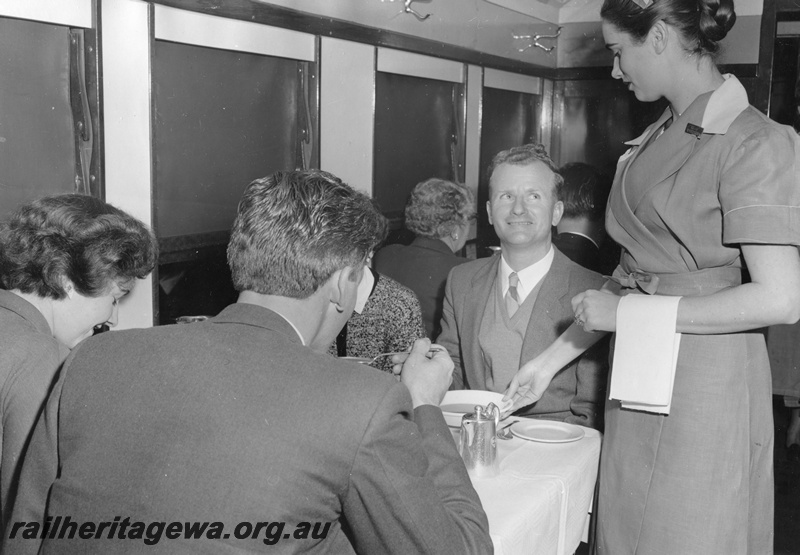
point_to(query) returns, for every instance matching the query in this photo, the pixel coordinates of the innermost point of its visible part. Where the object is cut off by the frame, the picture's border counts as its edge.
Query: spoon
(433, 349)
(505, 431)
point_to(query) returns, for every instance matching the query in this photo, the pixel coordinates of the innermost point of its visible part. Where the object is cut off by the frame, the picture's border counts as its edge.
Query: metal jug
(478, 445)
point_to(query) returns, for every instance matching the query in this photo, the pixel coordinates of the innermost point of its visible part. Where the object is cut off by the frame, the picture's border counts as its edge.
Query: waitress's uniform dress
(699, 480)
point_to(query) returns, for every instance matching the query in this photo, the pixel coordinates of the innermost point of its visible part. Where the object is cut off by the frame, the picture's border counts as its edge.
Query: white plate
(547, 431)
(463, 401)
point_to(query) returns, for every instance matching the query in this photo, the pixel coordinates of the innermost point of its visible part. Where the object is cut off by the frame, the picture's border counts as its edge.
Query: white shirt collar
(364, 289)
(297, 331)
(584, 236)
(529, 277)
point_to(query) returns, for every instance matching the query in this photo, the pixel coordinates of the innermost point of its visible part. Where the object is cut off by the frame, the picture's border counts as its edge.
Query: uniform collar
(723, 107)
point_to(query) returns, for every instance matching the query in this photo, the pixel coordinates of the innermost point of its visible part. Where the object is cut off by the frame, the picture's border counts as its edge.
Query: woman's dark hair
(77, 237)
(436, 207)
(703, 23)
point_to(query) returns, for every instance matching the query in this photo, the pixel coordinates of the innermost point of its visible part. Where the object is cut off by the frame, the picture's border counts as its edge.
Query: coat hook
(408, 9)
(535, 41)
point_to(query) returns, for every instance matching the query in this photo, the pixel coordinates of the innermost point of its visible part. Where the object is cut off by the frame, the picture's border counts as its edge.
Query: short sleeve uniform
(699, 480)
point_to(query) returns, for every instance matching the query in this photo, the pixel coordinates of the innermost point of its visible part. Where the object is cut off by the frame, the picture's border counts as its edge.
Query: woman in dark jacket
(439, 212)
(65, 263)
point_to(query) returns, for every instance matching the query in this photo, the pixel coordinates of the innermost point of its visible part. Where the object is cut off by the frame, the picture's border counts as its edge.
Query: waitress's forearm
(567, 347)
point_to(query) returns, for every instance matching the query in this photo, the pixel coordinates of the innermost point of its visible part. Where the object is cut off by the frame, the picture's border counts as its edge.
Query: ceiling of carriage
(574, 11)
(511, 28)
(555, 11)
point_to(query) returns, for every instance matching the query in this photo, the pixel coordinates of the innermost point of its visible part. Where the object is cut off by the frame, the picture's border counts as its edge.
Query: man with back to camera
(501, 312)
(581, 233)
(243, 422)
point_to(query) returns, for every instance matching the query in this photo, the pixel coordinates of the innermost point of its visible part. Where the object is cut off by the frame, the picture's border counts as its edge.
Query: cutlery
(433, 349)
(505, 431)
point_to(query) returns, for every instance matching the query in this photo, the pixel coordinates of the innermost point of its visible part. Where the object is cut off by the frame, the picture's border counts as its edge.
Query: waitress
(705, 205)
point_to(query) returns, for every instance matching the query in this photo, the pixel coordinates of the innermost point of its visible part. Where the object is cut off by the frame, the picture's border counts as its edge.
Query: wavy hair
(78, 237)
(294, 229)
(436, 207)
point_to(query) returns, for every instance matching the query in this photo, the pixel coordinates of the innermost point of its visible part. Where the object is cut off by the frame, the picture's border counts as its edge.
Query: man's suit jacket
(235, 421)
(583, 251)
(576, 393)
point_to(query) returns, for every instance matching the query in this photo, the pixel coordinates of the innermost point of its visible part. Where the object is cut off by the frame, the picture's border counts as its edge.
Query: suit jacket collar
(24, 310)
(544, 317)
(258, 316)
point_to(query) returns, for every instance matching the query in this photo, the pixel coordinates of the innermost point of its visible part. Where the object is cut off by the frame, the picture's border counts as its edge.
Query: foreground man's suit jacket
(234, 420)
(576, 393)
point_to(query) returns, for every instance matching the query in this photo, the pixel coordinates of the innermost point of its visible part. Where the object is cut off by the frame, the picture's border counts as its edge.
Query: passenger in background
(503, 310)
(581, 231)
(389, 321)
(240, 419)
(440, 213)
(65, 263)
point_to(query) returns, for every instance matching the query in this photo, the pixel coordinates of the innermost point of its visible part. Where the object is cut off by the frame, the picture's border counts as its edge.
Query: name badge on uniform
(693, 129)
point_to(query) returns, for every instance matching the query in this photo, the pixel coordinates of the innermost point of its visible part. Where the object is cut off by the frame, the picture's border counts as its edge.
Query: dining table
(539, 502)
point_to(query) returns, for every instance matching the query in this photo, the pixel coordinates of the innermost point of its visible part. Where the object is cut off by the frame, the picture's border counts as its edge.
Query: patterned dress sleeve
(406, 323)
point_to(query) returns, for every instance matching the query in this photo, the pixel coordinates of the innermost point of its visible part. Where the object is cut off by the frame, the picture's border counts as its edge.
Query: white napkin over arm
(645, 352)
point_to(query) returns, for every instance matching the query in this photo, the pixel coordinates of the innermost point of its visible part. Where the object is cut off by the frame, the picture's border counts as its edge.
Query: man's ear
(341, 281)
(558, 212)
(489, 211)
(659, 36)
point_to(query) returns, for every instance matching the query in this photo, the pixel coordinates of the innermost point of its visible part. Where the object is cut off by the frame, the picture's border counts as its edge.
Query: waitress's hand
(529, 384)
(596, 310)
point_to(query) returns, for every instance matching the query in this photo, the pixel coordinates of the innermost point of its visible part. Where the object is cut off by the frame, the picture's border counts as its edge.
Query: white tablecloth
(540, 502)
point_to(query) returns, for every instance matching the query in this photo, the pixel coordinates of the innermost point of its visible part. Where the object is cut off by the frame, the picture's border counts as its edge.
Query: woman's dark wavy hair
(436, 207)
(703, 23)
(77, 237)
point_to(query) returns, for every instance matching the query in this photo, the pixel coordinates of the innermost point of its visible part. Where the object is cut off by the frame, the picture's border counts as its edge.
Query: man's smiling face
(523, 207)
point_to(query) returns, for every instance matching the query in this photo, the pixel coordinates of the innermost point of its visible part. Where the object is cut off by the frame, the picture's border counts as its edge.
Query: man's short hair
(585, 191)
(294, 229)
(529, 154)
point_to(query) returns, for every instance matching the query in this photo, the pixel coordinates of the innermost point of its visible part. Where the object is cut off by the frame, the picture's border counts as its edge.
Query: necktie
(512, 298)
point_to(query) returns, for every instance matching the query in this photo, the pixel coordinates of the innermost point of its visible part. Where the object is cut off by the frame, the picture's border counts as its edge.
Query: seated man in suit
(241, 434)
(581, 232)
(502, 311)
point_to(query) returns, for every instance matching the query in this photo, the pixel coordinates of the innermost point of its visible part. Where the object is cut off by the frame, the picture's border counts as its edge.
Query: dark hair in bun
(703, 23)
